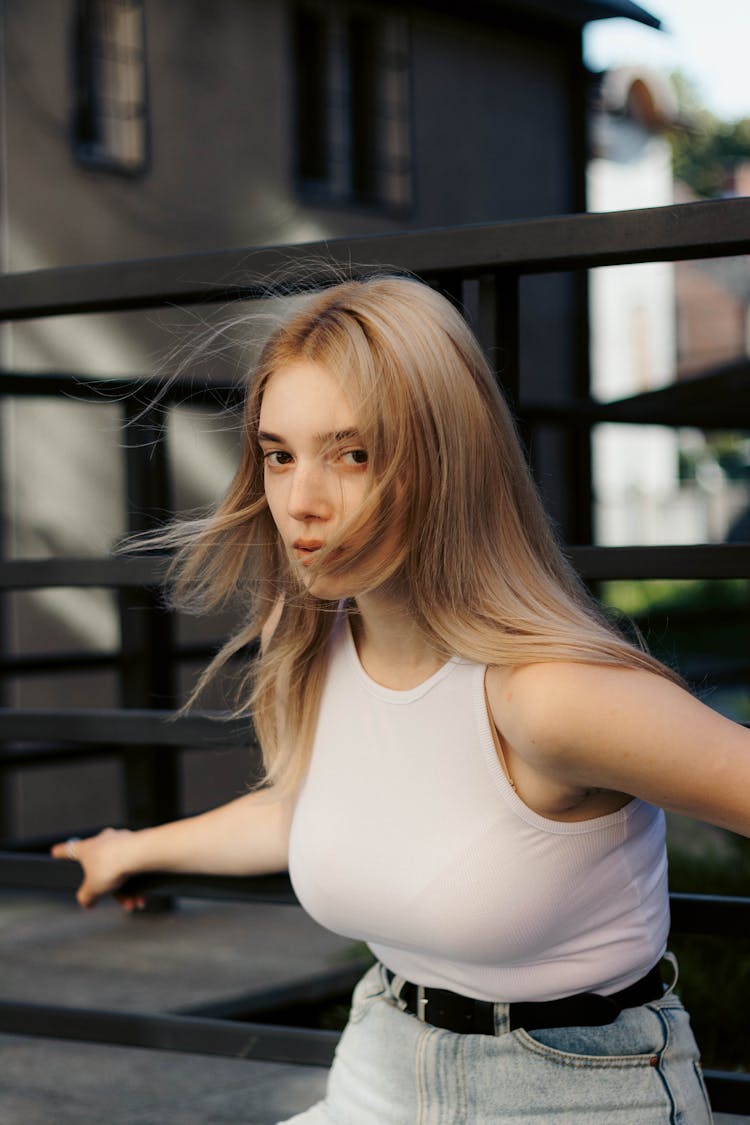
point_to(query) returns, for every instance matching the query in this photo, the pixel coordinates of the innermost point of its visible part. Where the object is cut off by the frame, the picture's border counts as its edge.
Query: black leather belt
(454, 1012)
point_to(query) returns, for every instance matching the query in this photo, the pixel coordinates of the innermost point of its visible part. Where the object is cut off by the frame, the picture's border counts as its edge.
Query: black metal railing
(480, 266)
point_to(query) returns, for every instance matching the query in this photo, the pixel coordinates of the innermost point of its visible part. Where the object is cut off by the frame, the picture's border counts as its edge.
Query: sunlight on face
(316, 470)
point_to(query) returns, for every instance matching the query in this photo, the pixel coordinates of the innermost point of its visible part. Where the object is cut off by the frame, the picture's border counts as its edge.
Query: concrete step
(54, 953)
(48, 1082)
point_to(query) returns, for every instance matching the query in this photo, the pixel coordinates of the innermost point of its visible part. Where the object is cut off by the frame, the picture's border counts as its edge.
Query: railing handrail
(565, 242)
(200, 1035)
(123, 726)
(114, 390)
(699, 560)
(691, 913)
(194, 1034)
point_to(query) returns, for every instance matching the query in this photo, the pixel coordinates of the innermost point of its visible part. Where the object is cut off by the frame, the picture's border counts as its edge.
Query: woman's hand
(104, 863)
(247, 836)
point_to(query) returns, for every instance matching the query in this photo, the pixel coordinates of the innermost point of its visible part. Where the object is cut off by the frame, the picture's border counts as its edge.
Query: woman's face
(316, 468)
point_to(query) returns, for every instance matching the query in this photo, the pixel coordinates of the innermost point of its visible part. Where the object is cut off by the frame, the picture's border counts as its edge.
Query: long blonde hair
(477, 564)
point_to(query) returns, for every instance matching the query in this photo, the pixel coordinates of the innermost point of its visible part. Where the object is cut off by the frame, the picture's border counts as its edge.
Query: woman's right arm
(248, 836)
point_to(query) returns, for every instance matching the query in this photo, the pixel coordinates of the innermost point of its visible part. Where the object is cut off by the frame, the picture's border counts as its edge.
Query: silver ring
(70, 847)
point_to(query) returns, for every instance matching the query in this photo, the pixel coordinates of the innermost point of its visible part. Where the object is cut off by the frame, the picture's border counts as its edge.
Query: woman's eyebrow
(324, 439)
(341, 435)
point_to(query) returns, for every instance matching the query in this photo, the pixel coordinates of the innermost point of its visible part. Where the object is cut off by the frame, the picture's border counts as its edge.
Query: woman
(464, 759)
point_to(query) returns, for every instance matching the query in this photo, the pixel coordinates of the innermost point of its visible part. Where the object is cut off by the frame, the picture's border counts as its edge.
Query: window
(110, 120)
(352, 104)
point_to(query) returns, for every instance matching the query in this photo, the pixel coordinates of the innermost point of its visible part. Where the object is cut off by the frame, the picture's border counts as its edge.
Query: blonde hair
(477, 563)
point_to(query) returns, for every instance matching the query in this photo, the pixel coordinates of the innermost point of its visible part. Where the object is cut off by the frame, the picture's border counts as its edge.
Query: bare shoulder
(626, 731)
(527, 682)
(543, 708)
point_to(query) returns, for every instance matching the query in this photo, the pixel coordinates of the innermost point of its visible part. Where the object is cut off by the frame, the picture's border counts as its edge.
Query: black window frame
(101, 112)
(344, 121)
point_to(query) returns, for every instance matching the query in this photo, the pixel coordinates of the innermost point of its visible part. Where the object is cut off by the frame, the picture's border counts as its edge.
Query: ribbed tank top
(407, 835)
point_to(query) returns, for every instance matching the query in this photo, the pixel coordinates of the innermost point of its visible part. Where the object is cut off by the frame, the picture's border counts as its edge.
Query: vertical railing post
(581, 515)
(147, 664)
(503, 320)
(451, 285)
(6, 819)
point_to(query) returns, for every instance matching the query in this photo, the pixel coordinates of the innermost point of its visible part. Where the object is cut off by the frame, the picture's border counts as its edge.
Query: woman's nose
(308, 497)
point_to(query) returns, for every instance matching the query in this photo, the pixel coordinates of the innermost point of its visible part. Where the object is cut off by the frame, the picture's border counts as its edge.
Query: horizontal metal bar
(30, 755)
(113, 391)
(229, 1038)
(41, 663)
(723, 915)
(251, 888)
(115, 727)
(689, 616)
(37, 873)
(691, 913)
(30, 665)
(715, 399)
(728, 1092)
(704, 560)
(300, 1046)
(38, 846)
(118, 572)
(690, 230)
(41, 873)
(700, 672)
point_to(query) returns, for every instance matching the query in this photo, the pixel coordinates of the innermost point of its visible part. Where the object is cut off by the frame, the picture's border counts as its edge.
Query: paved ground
(52, 952)
(52, 1083)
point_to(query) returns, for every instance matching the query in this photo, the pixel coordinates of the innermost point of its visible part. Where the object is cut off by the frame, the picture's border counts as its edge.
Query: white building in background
(633, 316)
(652, 324)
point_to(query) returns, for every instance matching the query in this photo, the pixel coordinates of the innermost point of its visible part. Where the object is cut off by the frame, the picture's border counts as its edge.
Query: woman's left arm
(633, 732)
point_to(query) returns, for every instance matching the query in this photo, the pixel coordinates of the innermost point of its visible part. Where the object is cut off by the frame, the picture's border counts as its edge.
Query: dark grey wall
(492, 131)
(496, 130)
(492, 123)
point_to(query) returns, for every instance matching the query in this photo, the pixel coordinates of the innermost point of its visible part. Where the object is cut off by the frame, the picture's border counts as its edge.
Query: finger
(63, 850)
(85, 896)
(131, 903)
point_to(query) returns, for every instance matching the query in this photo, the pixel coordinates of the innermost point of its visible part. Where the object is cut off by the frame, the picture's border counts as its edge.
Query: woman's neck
(392, 648)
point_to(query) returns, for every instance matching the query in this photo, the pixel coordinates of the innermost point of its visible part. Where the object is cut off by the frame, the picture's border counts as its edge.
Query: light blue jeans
(391, 1069)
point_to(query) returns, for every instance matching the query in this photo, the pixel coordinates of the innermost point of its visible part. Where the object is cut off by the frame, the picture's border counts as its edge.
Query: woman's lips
(304, 549)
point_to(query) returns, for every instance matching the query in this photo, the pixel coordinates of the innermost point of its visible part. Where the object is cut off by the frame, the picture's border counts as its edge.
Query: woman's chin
(327, 587)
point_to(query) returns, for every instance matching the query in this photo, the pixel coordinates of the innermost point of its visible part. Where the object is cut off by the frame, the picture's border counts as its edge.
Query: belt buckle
(422, 1002)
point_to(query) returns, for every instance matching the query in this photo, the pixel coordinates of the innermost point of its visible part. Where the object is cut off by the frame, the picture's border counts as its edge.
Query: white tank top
(407, 835)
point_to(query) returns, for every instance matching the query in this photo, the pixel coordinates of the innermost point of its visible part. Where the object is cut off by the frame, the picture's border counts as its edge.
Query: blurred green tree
(706, 149)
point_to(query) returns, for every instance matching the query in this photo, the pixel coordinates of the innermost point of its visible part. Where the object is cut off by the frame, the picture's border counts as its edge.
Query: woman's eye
(276, 458)
(355, 457)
